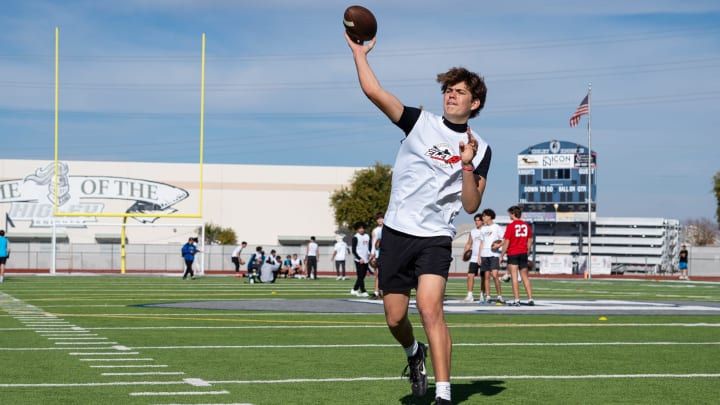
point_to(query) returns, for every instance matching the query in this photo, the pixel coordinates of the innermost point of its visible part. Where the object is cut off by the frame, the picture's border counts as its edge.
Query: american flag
(582, 109)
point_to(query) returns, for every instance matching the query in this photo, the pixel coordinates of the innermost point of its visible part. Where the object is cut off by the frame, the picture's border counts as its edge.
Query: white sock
(442, 390)
(410, 351)
(469, 294)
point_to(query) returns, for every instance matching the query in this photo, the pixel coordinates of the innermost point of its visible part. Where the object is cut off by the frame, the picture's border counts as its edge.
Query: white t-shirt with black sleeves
(361, 247)
(427, 175)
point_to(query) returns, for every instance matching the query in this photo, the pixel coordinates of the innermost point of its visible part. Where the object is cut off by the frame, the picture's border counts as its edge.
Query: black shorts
(406, 257)
(3, 260)
(473, 268)
(489, 263)
(520, 260)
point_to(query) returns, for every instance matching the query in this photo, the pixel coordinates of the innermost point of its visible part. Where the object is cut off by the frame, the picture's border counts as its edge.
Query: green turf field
(90, 340)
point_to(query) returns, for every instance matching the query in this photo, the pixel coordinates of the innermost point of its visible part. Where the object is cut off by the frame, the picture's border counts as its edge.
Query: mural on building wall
(32, 198)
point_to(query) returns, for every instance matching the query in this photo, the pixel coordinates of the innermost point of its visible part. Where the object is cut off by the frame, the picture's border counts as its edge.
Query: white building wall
(259, 202)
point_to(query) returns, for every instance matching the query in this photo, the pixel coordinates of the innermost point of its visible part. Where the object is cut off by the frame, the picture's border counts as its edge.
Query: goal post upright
(57, 109)
(123, 215)
(202, 119)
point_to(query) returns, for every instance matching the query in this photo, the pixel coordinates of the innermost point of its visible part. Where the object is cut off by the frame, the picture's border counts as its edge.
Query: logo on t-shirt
(442, 155)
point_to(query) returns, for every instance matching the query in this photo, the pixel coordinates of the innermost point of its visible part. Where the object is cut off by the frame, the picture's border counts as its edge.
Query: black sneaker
(418, 374)
(441, 401)
(531, 302)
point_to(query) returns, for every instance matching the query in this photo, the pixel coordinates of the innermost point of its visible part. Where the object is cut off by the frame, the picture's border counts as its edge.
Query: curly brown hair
(475, 83)
(515, 211)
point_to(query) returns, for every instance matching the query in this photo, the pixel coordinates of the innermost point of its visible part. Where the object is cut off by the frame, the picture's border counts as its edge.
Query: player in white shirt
(441, 167)
(236, 258)
(296, 266)
(473, 245)
(491, 243)
(361, 253)
(375, 237)
(338, 257)
(311, 259)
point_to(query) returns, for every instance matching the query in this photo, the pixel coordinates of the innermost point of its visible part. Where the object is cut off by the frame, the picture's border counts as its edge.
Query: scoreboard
(553, 181)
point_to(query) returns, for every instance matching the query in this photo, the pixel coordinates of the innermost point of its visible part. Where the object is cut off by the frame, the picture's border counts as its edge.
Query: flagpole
(589, 182)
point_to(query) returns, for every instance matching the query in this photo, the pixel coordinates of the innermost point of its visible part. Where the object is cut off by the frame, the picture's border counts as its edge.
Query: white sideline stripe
(133, 366)
(333, 346)
(590, 376)
(591, 344)
(480, 377)
(146, 373)
(479, 325)
(145, 394)
(137, 359)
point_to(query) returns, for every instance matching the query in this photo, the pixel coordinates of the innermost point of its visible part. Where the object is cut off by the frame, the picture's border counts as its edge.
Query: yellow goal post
(124, 215)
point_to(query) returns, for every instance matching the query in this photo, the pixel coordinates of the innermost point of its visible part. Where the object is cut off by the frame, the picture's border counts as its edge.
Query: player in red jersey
(516, 244)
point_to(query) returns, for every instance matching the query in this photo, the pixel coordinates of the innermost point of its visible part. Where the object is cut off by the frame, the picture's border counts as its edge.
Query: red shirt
(517, 233)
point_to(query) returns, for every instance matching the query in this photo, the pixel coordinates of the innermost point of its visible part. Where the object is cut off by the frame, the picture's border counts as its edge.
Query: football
(360, 24)
(467, 255)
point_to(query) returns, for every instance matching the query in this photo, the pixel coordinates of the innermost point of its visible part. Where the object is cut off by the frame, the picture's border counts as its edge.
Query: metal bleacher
(642, 245)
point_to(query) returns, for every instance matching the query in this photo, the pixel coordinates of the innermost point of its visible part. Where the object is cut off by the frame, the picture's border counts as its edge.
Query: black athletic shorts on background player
(404, 258)
(520, 260)
(473, 268)
(489, 263)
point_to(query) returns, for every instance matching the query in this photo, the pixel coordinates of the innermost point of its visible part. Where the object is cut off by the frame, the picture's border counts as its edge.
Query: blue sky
(281, 87)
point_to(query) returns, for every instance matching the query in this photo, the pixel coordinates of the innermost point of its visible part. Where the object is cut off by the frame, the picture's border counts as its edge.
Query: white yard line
(48, 327)
(103, 353)
(173, 393)
(77, 338)
(145, 373)
(343, 346)
(133, 366)
(134, 359)
(388, 378)
(83, 343)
